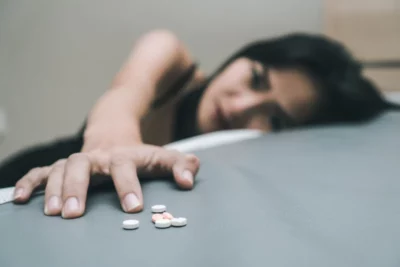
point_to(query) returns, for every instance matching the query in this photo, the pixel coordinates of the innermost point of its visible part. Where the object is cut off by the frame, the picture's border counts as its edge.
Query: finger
(158, 160)
(75, 185)
(185, 170)
(123, 173)
(25, 186)
(53, 192)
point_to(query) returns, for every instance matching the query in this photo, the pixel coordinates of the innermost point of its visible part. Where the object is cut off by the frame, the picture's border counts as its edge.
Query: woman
(160, 96)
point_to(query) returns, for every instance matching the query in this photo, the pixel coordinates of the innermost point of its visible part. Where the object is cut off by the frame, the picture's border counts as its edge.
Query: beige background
(371, 30)
(57, 57)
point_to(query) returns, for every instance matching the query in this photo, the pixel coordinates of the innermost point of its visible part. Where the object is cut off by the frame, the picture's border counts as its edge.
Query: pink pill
(156, 217)
(167, 215)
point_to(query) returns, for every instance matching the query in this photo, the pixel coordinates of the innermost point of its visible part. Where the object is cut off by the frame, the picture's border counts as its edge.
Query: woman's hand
(67, 180)
(112, 139)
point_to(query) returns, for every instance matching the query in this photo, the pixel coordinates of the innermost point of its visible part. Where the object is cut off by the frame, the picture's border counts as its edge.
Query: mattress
(326, 196)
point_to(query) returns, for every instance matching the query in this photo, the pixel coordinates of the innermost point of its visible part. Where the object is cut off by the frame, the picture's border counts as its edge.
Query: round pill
(130, 224)
(163, 223)
(167, 215)
(156, 217)
(179, 222)
(158, 208)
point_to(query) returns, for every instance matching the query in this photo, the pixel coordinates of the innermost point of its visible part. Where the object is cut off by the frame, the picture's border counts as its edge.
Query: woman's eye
(255, 78)
(258, 79)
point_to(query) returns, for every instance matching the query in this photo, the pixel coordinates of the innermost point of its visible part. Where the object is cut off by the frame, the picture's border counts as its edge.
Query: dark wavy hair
(347, 96)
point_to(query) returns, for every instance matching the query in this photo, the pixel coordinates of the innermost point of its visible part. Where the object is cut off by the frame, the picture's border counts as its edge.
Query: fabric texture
(314, 197)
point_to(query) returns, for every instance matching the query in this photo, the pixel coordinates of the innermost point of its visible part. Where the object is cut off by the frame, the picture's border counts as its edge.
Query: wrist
(100, 137)
(112, 118)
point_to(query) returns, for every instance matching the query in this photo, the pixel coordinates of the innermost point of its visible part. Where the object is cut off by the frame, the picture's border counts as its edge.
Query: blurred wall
(57, 57)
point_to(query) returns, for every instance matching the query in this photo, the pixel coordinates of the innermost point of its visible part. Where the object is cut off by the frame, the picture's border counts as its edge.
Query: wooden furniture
(371, 30)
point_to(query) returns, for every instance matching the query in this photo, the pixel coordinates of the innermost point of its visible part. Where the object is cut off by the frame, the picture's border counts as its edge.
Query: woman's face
(247, 95)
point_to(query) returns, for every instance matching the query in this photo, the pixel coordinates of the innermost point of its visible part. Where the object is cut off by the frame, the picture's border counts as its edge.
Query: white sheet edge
(188, 145)
(213, 139)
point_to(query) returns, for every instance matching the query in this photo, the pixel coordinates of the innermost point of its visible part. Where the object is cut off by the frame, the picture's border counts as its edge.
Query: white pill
(163, 223)
(158, 208)
(179, 222)
(130, 224)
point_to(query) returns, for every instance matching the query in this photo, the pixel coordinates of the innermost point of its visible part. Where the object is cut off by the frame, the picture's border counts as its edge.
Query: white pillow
(213, 139)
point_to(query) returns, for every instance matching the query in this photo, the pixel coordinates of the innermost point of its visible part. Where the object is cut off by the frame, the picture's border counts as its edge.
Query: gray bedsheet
(317, 197)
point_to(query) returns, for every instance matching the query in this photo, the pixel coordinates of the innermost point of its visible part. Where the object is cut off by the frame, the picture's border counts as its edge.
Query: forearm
(155, 63)
(111, 116)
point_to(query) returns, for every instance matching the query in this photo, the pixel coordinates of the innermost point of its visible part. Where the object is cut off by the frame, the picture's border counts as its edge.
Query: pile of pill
(160, 218)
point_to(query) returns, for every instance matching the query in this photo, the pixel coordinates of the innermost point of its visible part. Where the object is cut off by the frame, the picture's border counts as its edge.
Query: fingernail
(187, 175)
(71, 205)
(18, 193)
(53, 205)
(131, 202)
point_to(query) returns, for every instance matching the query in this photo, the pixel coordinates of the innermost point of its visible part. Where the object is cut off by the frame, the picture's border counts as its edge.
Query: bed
(314, 197)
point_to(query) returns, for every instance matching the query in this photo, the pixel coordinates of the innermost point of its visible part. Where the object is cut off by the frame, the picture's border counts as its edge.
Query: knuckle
(119, 159)
(77, 157)
(97, 156)
(58, 166)
(154, 156)
(30, 179)
(100, 161)
(158, 158)
(174, 155)
(34, 172)
(59, 162)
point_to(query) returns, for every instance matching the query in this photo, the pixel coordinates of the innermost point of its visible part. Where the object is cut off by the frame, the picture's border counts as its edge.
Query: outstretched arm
(156, 62)
(112, 141)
